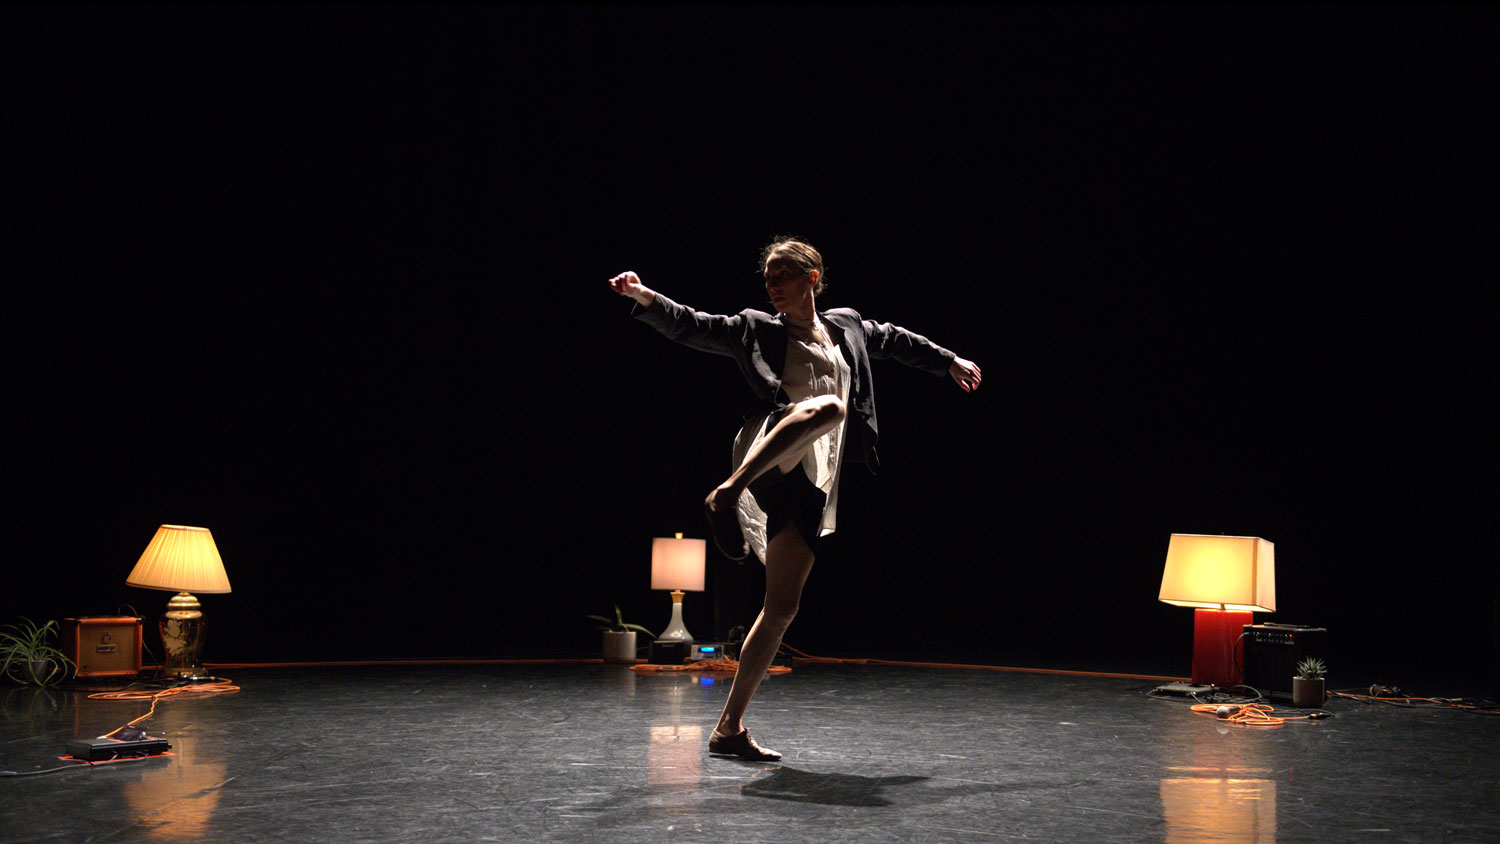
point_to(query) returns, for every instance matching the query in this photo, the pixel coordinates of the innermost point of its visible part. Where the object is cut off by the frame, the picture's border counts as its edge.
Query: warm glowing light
(677, 564)
(181, 559)
(1220, 572)
(176, 799)
(1223, 810)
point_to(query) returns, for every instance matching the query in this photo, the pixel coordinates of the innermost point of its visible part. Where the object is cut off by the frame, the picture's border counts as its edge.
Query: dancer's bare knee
(824, 412)
(779, 614)
(831, 410)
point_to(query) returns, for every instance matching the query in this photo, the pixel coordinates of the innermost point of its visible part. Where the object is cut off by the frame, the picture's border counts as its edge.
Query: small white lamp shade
(1220, 572)
(181, 559)
(677, 564)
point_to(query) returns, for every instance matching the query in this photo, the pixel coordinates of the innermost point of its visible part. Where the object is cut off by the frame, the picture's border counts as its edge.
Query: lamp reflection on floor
(1216, 785)
(1221, 809)
(674, 756)
(175, 800)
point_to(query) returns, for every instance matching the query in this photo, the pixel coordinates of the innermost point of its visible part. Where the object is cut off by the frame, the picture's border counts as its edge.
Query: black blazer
(757, 342)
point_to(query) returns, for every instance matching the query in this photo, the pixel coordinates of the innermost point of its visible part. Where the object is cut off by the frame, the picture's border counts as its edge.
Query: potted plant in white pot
(28, 656)
(619, 637)
(1307, 685)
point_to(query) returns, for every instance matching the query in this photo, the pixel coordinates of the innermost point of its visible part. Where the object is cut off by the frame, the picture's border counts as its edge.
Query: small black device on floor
(706, 650)
(1272, 652)
(103, 750)
(669, 651)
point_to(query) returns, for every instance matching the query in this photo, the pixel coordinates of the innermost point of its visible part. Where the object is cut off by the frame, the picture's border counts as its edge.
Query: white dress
(814, 367)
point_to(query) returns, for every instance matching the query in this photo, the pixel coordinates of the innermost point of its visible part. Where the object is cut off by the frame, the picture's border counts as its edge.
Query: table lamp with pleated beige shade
(183, 560)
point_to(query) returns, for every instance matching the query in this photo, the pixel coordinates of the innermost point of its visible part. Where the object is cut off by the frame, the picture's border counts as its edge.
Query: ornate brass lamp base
(182, 634)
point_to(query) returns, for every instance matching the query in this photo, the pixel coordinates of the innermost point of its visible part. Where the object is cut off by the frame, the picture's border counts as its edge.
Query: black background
(330, 281)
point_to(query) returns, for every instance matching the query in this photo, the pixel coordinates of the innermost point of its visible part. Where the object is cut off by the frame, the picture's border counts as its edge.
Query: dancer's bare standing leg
(788, 561)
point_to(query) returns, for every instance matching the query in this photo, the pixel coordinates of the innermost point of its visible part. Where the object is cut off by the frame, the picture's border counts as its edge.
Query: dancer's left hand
(966, 373)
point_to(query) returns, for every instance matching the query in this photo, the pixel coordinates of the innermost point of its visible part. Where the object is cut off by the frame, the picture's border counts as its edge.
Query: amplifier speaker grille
(103, 646)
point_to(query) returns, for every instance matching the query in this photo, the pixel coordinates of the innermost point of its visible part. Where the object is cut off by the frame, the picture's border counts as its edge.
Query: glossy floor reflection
(585, 753)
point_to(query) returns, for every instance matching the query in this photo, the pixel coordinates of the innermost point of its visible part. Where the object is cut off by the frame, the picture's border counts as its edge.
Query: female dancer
(811, 371)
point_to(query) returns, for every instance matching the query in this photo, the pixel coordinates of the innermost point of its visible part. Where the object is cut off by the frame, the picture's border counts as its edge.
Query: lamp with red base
(1226, 578)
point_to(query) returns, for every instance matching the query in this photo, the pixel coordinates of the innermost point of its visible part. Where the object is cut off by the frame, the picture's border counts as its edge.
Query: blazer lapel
(773, 348)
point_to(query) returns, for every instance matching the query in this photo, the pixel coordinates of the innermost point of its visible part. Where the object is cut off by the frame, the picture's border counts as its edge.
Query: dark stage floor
(586, 753)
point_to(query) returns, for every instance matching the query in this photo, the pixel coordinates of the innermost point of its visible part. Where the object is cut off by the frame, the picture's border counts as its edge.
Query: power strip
(103, 750)
(1183, 690)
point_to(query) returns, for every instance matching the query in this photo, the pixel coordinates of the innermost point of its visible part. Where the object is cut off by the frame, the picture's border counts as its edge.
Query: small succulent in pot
(1307, 684)
(1311, 668)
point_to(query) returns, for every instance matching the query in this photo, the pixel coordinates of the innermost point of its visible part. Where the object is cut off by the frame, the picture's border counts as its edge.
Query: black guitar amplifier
(1272, 652)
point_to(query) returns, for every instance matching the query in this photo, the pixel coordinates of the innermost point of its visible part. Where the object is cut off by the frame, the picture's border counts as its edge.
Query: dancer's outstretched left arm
(965, 372)
(892, 342)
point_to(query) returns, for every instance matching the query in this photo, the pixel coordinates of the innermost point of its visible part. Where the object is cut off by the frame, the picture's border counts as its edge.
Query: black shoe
(725, 527)
(740, 744)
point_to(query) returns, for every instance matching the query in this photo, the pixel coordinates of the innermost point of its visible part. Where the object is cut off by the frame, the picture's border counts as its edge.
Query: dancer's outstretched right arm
(629, 284)
(714, 333)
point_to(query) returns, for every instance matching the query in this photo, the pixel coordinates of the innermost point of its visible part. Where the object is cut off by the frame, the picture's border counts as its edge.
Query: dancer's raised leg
(785, 444)
(782, 447)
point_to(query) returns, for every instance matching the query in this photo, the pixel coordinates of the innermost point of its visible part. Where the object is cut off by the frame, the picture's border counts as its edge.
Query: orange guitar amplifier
(103, 646)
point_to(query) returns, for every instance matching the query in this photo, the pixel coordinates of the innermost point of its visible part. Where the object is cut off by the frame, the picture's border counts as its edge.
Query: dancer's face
(787, 283)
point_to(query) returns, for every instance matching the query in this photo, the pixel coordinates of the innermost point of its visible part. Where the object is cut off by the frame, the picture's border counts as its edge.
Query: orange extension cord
(799, 656)
(1250, 714)
(1447, 703)
(729, 666)
(713, 666)
(706, 666)
(216, 687)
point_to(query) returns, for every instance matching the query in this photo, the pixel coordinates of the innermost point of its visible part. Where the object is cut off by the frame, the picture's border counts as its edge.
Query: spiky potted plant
(1308, 685)
(619, 637)
(27, 655)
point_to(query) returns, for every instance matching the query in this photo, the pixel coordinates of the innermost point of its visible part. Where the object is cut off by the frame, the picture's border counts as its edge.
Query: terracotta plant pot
(619, 647)
(1307, 693)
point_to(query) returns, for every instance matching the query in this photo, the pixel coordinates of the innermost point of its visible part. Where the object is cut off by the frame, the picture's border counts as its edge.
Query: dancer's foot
(740, 744)
(724, 524)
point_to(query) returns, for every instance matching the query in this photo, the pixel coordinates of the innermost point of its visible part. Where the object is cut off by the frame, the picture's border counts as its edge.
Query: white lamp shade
(677, 564)
(1220, 572)
(181, 559)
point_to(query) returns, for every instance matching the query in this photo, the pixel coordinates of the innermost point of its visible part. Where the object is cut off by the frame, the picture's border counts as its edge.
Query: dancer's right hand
(629, 284)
